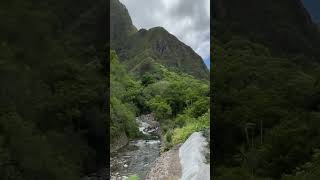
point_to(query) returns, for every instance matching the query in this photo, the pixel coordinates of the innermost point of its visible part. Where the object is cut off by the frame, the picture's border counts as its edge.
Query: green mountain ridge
(133, 47)
(283, 25)
(120, 24)
(266, 89)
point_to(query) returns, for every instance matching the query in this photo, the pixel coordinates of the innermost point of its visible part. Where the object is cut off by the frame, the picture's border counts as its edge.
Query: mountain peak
(120, 23)
(135, 48)
(158, 28)
(164, 48)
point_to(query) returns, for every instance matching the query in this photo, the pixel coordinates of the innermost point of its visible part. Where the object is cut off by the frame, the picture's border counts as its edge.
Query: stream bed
(138, 155)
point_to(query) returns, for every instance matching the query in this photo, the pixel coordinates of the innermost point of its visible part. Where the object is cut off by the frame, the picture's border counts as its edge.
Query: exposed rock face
(163, 48)
(185, 162)
(155, 45)
(192, 158)
(120, 23)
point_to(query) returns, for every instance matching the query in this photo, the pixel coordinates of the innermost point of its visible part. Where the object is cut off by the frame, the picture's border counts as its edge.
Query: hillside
(285, 25)
(266, 91)
(160, 46)
(121, 26)
(178, 102)
(141, 49)
(52, 120)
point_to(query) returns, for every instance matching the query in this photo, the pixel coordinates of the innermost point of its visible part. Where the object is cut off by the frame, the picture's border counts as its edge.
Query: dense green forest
(179, 101)
(123, 97)
(266, 93)
(53, 89)
(267, 111)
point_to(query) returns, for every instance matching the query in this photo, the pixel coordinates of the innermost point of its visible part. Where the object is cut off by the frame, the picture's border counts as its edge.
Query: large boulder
(192, 158)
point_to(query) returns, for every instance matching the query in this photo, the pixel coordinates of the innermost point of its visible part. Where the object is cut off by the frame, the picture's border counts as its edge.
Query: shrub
(181, 134)
(133, 177)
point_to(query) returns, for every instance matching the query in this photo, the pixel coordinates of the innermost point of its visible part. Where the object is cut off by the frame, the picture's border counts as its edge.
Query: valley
(159, 97)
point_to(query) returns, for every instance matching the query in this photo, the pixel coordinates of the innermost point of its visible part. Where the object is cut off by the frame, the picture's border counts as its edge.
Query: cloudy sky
(188, 20)
(313, 6)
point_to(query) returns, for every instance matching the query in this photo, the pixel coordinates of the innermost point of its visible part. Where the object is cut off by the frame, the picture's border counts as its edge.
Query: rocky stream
(137, 156)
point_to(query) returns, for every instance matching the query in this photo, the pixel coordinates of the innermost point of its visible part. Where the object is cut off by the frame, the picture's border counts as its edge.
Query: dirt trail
(167, 166)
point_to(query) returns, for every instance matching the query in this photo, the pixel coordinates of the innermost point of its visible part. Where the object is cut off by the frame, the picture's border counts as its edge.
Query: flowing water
(138, 155)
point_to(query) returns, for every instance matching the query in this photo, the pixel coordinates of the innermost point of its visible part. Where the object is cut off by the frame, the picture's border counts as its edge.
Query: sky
(188, 20)
(313, 6)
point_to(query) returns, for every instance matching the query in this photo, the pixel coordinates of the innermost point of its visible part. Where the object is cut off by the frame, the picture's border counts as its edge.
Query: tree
(160, 107)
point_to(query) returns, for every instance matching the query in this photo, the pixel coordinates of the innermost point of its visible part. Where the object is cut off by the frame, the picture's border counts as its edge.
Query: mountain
(143, 48)
(120, 23)
(158, 45)
(266, 90)
(284, 25)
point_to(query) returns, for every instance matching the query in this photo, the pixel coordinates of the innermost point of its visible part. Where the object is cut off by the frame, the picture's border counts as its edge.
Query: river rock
(138, 155)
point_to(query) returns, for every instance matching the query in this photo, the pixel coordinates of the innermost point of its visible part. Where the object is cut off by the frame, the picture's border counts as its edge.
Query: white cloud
(188, 20)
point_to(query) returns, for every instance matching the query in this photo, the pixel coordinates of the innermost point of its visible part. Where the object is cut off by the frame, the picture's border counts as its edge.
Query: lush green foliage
(160, 107)
(309, 170)
(267, 111)
(51, 95)
(124, 91)
(284, 26)
(133, 177)
(179, 101)
(195, 125)
(266, 90)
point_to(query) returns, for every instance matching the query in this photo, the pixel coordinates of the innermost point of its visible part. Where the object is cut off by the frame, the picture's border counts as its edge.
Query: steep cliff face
(120, 24)
(145, 47)
(158, 45)
(284, 25)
